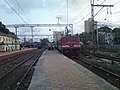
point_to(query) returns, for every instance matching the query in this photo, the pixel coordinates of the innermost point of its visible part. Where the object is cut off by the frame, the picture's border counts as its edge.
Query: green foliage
(11, 33)
(84, 37)
(77, 34)
(116, 32)
(4, 29)
(105, 29)
(44, 41)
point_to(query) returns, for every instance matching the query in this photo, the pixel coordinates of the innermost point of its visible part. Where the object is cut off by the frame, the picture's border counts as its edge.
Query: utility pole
(16, 42)
(93, 15)
(66, 28)
(67, 11)
(59, 18)
(32, 32)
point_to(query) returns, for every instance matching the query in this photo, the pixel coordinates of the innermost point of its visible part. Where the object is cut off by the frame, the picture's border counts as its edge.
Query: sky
(46, 11)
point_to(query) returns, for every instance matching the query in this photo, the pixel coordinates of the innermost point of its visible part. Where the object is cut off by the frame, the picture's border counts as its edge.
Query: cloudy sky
(46, 11)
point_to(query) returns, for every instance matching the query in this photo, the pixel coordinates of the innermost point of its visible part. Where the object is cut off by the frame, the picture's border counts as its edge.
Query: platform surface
(12, 52)
(55, 71)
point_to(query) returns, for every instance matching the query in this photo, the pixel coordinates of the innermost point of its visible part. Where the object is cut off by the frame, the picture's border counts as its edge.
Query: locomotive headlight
(76, 46)
(65, 46)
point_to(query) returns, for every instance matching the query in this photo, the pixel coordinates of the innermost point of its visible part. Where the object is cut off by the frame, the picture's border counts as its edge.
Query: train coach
(69, 45)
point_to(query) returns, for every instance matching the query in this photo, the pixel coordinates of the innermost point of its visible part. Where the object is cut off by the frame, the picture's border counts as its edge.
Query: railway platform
(55, 71)
(13, 53)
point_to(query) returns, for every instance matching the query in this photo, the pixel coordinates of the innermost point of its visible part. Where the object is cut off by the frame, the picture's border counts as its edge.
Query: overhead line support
(103, 5)
(92, 17)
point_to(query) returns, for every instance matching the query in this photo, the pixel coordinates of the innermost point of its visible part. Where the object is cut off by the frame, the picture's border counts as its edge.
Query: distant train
(69, 45)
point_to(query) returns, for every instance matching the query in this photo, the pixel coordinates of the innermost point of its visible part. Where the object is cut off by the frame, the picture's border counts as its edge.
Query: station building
(8, 42)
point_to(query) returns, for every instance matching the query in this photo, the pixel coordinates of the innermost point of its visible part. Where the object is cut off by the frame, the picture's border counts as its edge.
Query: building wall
(57, 35)
(89, 26)
(8, 43)
(109, 39)
(86, 23)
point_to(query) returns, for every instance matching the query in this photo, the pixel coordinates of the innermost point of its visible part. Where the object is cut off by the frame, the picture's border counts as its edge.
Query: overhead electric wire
(67, 12)
(116, 12)
(117, 3)
(113, 12)
(15, 11)
(82, 19)
(22, 10)
(68, 7)
(87, 7)
(80, 13)
(71, 7)
(72, 4)
(102, 11)
(87, 15)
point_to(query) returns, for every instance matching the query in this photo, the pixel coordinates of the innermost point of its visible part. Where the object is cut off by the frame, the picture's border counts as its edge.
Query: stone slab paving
(54, 71)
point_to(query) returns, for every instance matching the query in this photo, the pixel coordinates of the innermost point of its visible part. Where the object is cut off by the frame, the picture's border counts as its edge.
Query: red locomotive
(69, 45)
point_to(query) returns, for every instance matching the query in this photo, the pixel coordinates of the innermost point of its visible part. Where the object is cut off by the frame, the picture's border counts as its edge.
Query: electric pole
(59, 18)
(93, 15)
(67, 11)
(32, 33)
(66, 28)
(16, 41)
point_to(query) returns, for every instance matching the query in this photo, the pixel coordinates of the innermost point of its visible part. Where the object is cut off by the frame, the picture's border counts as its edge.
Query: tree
(84, 37)
(116, 32)
(4, 29)
(0, 23)
(105, 29)
(44, 42)
(102, 33)
(11, 33)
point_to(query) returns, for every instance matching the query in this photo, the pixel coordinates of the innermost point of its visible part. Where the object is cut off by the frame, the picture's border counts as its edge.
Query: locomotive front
(70, 45)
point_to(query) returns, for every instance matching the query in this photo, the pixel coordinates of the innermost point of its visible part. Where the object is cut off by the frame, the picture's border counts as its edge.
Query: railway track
(8, 60)
(111, 58)
(12, 78)
(20, 86)
(108, 62)
(106, 74)
(8, 64)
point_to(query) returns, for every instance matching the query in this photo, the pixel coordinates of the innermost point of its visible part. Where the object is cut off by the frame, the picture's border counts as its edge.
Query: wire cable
(99, 13)
(87, 7)
(88, 14)
(72, 4)
(82, 19)
(113, 12)
(117, 3)
(15, 11)
(22, 10)
(80, 13)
